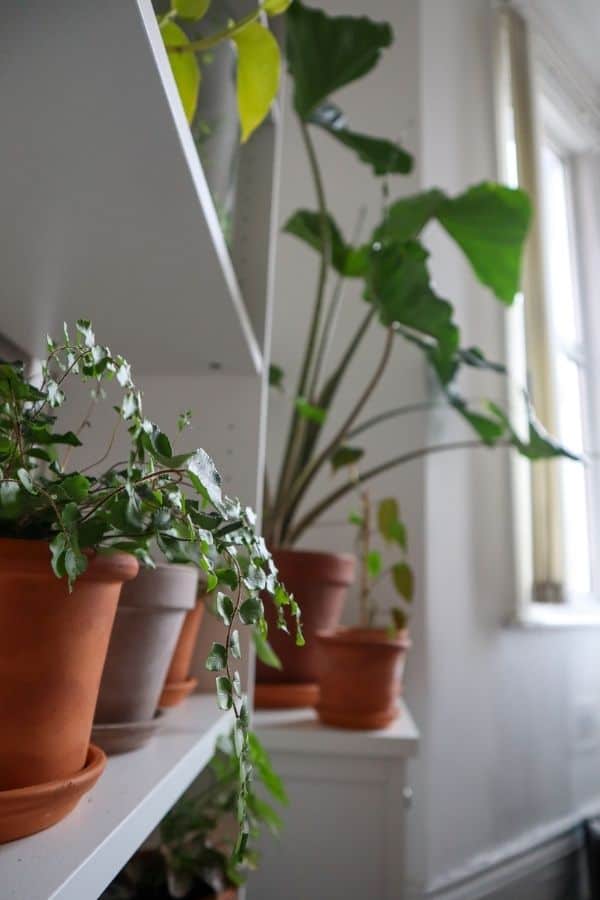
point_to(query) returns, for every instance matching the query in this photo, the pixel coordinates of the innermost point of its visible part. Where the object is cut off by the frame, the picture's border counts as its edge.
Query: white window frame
(529, 68)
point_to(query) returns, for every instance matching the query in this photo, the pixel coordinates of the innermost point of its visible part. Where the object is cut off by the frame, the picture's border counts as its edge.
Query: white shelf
(299, 731)
(79, 857)
(106, 213)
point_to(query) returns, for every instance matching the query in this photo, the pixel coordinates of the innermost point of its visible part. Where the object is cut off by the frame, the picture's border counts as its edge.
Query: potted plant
(193, 858)
(489, 224)
(178, 683)
(68, 540)
(361, 667)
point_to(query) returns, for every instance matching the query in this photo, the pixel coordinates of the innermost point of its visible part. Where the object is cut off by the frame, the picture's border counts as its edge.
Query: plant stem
(365, 546)
(332, 316)
(297, 424)
(300, 485)
(336, 495)
(392, 414)
(218, 37)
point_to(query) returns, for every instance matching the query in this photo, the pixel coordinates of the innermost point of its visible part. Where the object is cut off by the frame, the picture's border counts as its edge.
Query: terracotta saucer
(25, 811)
(121, 737)
(286, 696)
(175, 692)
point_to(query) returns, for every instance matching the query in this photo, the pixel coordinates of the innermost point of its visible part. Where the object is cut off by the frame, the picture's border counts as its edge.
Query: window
(541, 144)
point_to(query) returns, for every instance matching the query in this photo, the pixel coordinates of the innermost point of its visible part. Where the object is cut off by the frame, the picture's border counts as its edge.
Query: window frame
(531, 107)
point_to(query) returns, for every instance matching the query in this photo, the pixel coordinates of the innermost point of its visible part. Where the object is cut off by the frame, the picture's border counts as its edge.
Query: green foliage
(196, 838)
(154, 499)
(326, 53)
(258, 57)
(376, 565)
(488, 223)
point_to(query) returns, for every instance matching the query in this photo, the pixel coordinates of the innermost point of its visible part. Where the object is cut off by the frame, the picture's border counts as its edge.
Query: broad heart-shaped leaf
(398, 285)
(184, 66)
(490, 222)
(258, 70)
(325, 52)
(345, 259)
(191, 9)
(407, 217)
(384, 157)
(539, 445)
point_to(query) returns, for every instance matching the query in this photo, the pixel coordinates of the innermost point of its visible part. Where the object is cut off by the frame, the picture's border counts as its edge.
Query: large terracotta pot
(178, 685)
(147, 625)
(319, 582)
(52, 650)
(361, 676)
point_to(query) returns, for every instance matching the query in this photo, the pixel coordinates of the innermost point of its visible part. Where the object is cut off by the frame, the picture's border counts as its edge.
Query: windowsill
(538, 615)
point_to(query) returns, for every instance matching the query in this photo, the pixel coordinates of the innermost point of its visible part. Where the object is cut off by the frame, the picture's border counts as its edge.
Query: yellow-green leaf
(190, 9)
(404, 582)
(275, 7)
(257, 75)
(184, 66)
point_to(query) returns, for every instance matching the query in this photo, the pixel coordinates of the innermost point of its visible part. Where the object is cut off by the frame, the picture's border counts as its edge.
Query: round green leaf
(276, 7)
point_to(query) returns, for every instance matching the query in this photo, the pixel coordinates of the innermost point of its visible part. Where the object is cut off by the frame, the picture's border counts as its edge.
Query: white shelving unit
(80, 856)
(106, 212)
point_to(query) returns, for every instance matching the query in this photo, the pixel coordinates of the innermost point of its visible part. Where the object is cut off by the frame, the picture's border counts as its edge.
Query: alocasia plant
(487, 222)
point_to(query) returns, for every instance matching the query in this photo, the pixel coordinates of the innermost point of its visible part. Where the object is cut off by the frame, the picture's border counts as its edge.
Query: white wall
(511, 735)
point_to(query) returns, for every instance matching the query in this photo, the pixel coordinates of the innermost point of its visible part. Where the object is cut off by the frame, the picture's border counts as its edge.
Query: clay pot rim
(325, 567)
(361, 636)
(33, 558)
(315, 554)
(93, 768)
(152, 590)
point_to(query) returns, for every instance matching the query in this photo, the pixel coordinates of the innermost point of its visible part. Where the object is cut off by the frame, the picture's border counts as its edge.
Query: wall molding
(513, 861)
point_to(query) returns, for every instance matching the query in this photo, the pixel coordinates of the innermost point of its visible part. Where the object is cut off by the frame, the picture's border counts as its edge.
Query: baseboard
(535, 867)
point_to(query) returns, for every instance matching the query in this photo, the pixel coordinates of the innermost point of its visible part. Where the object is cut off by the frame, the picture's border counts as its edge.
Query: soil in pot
(147, 625)
(52, 650)
(178, 685)
(360, 676)
(319, 582)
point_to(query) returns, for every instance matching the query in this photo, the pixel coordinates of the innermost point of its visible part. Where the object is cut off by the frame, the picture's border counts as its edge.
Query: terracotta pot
(147, 625)
(52, 649)
(361, 676)
(178, 684)
(319, 582)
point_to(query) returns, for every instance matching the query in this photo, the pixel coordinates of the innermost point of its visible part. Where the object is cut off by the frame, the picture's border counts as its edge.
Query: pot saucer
(121, 737)
(286, 695)
(27, 810)
(175, 692)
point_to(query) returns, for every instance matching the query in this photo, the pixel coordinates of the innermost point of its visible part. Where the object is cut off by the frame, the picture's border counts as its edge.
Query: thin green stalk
(333, 312)
(297, 423)
(212, 40)
(318, 510)
(301, 484)
(392, 414)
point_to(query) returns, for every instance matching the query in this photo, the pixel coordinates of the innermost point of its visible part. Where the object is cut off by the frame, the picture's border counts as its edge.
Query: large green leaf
(384, 156)
(398, 285)
(490, 222)
(345, 259)
(539, 444)
(407, 217)
(258, 72)
(184, 66)
(327, 52)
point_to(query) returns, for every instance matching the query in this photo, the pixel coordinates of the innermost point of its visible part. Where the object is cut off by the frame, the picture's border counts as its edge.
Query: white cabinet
(349, 796)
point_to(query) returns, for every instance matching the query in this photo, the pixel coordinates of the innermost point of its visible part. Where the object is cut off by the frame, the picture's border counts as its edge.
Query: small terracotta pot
(178, 684)
(147, 625)
(361, 676)
(52, 649)
(319, 582)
